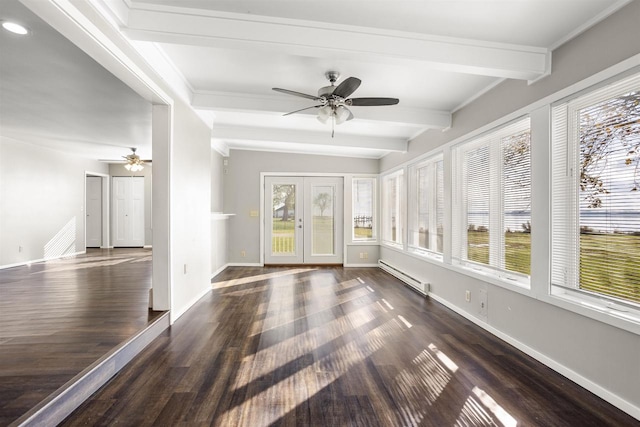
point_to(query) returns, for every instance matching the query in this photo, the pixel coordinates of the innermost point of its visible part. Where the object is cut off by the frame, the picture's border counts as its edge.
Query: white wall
(596, 354)
(190, 209)
(217, 182)
(242, 190)
(219, 221)
(41, 202)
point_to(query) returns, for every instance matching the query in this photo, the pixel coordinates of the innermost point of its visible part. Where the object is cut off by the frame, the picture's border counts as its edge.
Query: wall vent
(412, 282)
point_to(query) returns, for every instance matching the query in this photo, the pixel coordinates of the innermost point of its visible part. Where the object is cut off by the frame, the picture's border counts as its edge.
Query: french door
(303, 220)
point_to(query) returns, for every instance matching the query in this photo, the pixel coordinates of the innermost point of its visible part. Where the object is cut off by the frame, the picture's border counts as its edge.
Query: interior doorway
(97, 216)
(303, 220)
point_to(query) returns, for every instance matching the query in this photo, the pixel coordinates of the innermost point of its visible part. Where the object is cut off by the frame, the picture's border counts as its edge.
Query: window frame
(374, 209)
(399, 176)
(565, 204)
(413, 204)
(492, 140)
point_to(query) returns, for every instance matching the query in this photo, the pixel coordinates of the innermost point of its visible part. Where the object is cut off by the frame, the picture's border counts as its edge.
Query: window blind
(492, 201)
(426, 192)
(596, 212)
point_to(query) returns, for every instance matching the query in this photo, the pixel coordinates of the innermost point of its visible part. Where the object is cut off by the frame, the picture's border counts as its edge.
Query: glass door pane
(322, 233)
(324, 222)
(283, 231)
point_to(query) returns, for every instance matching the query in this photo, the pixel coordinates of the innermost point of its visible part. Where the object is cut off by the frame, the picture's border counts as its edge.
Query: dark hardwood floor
(59, 317)
(334, 347)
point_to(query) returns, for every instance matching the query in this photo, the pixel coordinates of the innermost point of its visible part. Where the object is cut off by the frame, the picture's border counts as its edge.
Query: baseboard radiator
(415, 284)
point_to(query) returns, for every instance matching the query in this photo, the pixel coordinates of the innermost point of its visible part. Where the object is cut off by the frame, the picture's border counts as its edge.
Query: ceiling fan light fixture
(324, 114)
(342, 114)
(134, 163)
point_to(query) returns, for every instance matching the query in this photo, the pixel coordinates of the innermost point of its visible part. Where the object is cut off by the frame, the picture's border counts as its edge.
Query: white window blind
(492, 202)
(426, 204)
(393, 208)
(596, 200)
(363, 208)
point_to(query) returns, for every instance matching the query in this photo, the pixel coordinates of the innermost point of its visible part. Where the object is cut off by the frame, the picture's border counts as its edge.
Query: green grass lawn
(609, 264)
(517, 250)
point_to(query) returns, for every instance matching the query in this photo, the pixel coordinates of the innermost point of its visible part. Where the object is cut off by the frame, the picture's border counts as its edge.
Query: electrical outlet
(19, 248)
(467, 296)
(243, 253)
(366, 255)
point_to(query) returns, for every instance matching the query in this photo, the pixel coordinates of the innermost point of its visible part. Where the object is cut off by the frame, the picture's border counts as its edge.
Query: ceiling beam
(222, 101)
(228, 134)
(306, 38)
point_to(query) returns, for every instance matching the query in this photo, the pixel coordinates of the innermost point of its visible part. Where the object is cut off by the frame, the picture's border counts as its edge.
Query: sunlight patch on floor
(278, 355)
(320, 305)
(474, 415)
(308, 381)
(425, 381)
(498, 411)
(259, 277)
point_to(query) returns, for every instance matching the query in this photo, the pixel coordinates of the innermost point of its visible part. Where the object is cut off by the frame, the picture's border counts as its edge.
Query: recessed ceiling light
(14, 28)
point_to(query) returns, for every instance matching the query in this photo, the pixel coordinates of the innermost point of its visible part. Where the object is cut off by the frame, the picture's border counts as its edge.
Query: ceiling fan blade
(347, 87)
(294, 93)
(372, 102)
(302, 109)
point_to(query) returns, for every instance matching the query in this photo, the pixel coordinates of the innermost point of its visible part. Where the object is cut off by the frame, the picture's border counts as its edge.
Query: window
(393, 208)
(426, 206)
(596, 199)
(364, 202)
(491, 227)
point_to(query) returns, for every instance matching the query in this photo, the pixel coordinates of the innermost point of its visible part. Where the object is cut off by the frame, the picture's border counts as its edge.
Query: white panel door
(93, 211)
(303, 220)
(128, 211)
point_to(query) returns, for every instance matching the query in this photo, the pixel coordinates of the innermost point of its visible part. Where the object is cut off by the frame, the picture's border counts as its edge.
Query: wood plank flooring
(59, 317)
(334, 347)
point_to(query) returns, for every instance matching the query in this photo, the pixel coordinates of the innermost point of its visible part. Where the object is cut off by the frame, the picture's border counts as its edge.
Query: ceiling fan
(332, 101)
(133, 162)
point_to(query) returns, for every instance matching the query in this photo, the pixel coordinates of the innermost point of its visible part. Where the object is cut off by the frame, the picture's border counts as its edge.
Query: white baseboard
(148, 246)
(244, 264)
(21, 263)
(594, 388)
(360, 265)
(175, 314)
(218, 271)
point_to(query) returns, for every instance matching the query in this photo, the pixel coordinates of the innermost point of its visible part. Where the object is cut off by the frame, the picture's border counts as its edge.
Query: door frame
(106, 211)
(263, 175)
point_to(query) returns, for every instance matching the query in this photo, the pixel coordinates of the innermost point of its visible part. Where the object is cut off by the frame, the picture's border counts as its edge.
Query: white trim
(596, 389)
(590, 23)
(359, 265)
(572, 90)
(22, 263)
(175, 315)
(218, 271)
(245, 264)
(147, 246)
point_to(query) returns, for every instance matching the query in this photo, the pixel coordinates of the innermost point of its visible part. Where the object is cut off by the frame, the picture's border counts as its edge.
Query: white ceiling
(435, 56)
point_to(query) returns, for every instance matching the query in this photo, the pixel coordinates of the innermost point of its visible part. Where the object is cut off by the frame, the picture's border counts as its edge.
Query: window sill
(363, 242)
(621, 317)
